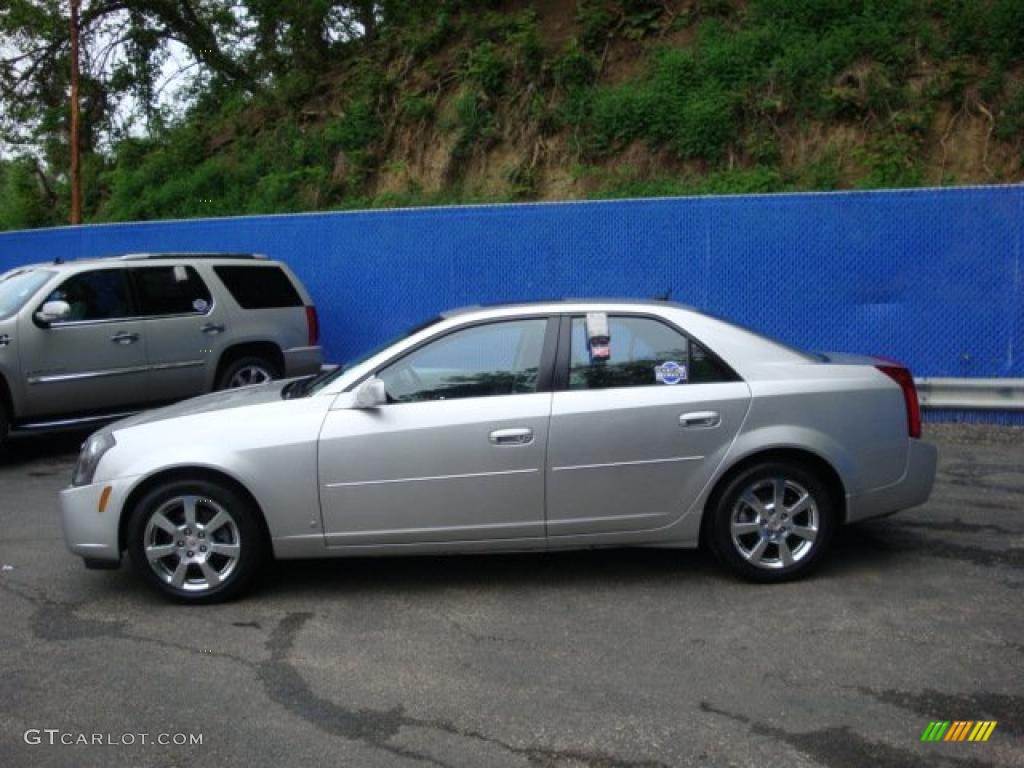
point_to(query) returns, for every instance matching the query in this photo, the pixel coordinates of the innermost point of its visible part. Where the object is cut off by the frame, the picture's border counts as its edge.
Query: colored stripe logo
(958, 730)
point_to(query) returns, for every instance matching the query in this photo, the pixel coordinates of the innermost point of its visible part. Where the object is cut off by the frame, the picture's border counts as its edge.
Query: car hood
(215, 401)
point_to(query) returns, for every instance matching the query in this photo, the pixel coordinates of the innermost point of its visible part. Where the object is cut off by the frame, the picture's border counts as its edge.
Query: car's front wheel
(772, 522)
(196, 541)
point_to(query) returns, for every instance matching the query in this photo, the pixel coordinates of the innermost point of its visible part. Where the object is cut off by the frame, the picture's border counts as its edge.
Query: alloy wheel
(249, 375)
(774, 523)
(192, 543)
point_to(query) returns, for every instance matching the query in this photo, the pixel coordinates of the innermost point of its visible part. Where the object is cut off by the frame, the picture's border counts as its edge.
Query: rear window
(259, 287)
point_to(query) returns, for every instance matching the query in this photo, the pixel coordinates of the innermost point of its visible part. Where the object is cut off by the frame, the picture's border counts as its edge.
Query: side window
(482, 361)
(99, 295)
(171, 291)
(642, 352)
(259, 287)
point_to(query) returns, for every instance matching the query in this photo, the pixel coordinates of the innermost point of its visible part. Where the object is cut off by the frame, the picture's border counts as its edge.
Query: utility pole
(76, 170)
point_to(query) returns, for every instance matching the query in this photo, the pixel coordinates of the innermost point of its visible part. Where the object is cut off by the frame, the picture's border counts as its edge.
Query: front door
(639, 428)
(457, 454)
(96, 360)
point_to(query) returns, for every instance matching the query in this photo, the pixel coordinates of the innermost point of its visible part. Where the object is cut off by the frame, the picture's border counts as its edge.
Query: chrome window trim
(135, 319)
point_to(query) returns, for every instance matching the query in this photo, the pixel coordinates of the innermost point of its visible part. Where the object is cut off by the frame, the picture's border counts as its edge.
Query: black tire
(5, 430)
(212, 498)
(741, 553)
(249, 362)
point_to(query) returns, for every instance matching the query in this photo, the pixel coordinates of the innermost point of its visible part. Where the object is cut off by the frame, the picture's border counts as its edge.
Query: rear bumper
(302, 361)
(87, 531)
(910, 490)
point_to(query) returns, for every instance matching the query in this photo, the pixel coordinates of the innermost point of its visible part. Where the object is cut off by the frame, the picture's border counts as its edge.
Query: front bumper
(910, 490)
(302, 361)
(87, 531)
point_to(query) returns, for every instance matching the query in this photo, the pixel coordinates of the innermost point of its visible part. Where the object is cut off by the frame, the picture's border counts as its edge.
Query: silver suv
(90, 340)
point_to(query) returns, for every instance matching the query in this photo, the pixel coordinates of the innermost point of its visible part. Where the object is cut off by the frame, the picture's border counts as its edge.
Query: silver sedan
(546, 426)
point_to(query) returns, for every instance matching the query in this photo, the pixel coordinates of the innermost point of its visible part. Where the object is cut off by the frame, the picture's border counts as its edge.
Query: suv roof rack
(148, 256)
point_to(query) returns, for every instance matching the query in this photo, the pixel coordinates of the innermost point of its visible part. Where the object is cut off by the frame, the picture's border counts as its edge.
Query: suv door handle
(520, 436)
(700, 420)
(124, 338)
(212, 329)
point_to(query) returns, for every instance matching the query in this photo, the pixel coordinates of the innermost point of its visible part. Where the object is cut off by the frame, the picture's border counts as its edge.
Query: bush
(487, 68)
(674, 105)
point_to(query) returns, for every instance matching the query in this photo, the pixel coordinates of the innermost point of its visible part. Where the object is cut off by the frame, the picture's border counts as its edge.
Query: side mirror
(53, 312)
(371, 394)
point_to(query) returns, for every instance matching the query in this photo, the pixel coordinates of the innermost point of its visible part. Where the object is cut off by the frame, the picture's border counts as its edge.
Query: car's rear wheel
(247, 371)
(772, 522)
(196, 541)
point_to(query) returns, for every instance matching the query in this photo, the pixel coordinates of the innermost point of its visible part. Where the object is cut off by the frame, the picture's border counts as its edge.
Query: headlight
(92, 451)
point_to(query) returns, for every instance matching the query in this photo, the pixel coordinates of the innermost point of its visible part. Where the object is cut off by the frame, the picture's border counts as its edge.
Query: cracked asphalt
(602, 659)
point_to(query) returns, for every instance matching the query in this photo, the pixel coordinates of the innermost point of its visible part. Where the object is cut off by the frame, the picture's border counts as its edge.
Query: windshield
(321, 380)
(18, 286)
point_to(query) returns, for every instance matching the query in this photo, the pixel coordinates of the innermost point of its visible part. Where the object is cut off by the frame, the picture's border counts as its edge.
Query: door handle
(124, 338)
(212, 329)
(700, 420)
(521, 436)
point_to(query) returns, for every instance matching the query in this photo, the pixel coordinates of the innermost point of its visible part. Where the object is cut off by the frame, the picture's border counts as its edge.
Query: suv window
(174, 290)
(17, 287)
(259, 287)
(485, 360)
(102, 294)
(642, 352)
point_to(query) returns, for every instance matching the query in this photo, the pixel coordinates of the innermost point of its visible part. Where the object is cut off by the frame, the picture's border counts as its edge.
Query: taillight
(312, 326)
(902, 376)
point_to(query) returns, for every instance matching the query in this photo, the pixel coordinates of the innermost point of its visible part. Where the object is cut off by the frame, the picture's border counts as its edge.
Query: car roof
(149, 256)
(564, 304)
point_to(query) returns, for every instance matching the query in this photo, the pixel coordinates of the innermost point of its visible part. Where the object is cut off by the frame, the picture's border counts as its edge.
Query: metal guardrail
(971, 394)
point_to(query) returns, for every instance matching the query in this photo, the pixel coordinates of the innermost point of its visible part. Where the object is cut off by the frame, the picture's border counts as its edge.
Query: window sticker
(180, 274)
(598, 336)
(670, 372)
(200, 305)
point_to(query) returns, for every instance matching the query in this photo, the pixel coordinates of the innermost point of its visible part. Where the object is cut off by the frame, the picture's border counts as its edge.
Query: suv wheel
(5, 428)
(196, 541)
(247, 371)
(772, 522)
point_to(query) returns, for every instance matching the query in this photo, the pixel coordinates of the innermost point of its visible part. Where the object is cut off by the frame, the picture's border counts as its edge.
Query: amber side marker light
(104, 498)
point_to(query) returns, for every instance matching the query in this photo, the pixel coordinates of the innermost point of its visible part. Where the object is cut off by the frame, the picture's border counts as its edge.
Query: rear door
(637, 429)
(184, 328)
(96, 360)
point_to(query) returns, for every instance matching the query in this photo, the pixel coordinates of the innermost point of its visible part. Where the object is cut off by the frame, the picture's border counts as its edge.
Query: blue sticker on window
(670, 372)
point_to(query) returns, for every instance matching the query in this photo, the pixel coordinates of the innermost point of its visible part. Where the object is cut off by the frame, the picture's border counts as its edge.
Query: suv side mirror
(371, 394)
(53, 312)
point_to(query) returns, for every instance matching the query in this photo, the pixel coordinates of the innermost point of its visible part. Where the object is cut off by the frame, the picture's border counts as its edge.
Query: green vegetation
(458, 101)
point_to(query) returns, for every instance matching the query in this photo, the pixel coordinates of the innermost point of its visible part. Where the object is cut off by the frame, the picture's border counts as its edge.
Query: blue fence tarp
(931, 277)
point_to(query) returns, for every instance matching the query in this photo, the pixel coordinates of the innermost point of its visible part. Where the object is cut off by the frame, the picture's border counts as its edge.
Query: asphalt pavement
(603, 659)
